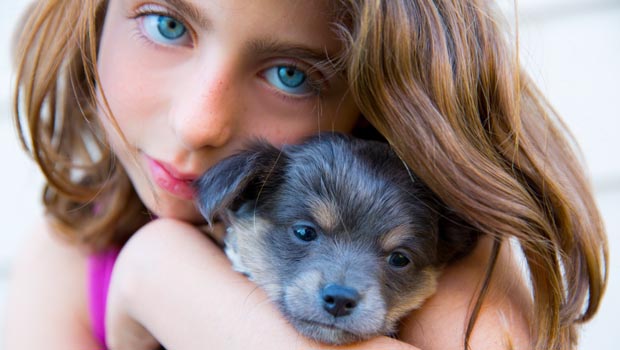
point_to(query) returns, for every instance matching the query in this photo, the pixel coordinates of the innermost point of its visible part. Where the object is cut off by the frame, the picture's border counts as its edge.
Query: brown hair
(437, 80)
(88, 196)
(434, 77)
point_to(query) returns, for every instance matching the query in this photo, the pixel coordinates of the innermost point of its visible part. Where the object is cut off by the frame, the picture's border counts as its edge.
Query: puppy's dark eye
(398, 259)
(304, 232)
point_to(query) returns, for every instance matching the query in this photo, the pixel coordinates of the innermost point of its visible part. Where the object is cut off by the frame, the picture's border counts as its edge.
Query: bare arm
(180, 286)
(503, 322)
(46, 306)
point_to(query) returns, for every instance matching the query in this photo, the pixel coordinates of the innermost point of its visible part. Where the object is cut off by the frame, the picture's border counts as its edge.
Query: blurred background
(570, 47)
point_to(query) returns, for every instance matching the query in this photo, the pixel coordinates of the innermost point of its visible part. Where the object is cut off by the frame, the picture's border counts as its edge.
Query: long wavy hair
(87, 193)
(436, 78)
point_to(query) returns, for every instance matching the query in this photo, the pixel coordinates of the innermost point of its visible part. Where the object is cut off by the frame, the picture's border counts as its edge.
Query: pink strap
(99, 272)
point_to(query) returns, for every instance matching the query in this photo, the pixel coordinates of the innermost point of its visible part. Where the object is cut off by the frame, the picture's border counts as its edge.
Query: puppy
(337, 231)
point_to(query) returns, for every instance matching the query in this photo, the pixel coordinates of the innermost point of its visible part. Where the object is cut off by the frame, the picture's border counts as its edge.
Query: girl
(122, 103)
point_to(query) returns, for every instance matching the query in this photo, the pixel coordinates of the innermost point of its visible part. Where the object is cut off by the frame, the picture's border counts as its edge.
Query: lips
(171, 180)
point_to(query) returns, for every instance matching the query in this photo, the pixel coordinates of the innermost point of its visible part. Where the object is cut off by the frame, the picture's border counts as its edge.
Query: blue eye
(165, 29)
(291, 76)
(288, 79)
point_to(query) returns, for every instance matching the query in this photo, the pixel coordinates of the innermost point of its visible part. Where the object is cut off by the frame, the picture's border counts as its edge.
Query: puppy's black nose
(339, 300)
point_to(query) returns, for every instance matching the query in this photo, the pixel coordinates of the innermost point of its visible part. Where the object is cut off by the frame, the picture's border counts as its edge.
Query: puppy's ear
(457, 237)
(238, 178)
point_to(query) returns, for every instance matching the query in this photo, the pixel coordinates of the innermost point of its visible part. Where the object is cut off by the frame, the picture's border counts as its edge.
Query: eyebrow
(319, 58)
(261, 47)
(195, 13)
(272, 47)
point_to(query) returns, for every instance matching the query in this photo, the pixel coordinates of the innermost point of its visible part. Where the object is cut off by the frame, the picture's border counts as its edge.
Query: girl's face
(189, 82)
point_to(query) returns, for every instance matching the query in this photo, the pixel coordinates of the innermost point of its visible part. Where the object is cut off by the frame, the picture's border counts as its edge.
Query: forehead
(289, 20)
(340, 190)
(379, 214)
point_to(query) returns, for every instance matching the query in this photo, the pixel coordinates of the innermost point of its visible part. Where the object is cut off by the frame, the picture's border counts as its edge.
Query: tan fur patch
(427, 288)
(252, 228)
(253, 255)
(395, 237)
(325, 214)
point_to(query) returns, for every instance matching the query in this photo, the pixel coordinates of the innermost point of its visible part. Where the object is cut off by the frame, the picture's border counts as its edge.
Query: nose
(339, 300)
(204, 113)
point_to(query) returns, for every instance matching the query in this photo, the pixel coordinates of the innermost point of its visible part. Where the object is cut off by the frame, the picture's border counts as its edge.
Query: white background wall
(572, 49)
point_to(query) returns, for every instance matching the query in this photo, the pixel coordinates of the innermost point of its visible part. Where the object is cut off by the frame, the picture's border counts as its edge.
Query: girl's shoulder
(48, 286)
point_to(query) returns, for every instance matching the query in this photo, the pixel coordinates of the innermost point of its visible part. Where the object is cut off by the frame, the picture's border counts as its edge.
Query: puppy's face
(340, 235)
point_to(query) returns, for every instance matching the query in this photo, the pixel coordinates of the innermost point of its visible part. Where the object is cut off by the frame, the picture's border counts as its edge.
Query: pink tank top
(99, 272)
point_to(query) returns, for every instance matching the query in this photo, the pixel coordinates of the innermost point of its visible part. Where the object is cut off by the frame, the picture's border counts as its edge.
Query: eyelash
(316, 85)
(140, 14)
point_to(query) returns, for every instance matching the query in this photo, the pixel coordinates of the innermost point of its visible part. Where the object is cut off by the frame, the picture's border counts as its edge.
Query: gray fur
(364, 193)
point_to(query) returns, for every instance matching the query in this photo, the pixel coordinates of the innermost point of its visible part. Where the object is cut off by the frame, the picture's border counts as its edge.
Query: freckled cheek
(132, 78)
(128, 90)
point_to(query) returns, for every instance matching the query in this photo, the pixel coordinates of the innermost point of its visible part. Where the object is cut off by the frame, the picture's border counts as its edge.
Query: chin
(172, 208)
(326, 334)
